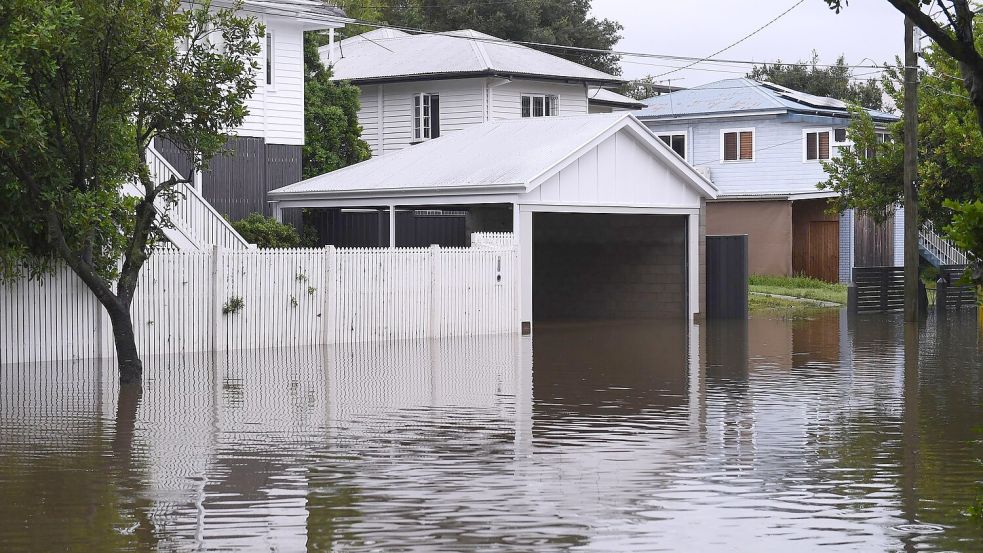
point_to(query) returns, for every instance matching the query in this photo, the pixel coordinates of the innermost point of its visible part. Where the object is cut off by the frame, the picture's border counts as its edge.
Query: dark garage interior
(589, 266)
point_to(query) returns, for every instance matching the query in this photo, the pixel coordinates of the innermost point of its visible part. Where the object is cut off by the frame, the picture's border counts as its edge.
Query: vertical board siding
(289, 297)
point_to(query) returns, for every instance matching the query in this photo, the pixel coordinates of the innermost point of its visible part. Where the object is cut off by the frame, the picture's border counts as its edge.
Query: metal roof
(597, 95)
(388, 55)
(495, 157)
(743, 96)
(316, 13)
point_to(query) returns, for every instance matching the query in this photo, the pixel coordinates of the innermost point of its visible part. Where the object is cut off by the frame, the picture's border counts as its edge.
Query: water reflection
(607, 436)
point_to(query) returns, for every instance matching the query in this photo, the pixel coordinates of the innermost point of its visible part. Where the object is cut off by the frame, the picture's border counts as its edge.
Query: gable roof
(605, 97)
(392, 55)
(745, 96)
(510, 156)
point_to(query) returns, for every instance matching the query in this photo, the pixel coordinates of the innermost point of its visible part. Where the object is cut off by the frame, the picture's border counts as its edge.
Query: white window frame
(805, 144)
(754, 145)
(554, 104)
(672, 135)
(425, 117)
(270, 47)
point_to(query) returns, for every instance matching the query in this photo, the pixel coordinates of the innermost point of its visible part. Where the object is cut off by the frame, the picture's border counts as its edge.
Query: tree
(957, 39)
(559, 22)
(85, 86)
(332, 135)
(834, 81)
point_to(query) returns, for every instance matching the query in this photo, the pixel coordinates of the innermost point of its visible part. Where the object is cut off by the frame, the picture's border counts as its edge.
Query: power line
(724, 49)
(618, 53)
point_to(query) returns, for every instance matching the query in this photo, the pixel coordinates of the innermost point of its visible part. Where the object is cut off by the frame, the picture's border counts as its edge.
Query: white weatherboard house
(418, 87)
(608, 218)
(267, 147)
(761, 144)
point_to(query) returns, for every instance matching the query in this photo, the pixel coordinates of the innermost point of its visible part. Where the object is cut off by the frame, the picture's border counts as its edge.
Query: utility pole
(911, 255)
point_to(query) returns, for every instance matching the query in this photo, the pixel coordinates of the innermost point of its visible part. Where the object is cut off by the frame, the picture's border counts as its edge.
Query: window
(738, 145)
(839, 136)
(882, 137)
(817, 145)
(269, 58)
(676, 141)
(540, 105)
(426, 116)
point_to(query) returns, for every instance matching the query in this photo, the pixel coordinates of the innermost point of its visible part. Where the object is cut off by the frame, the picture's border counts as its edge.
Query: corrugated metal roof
(609, 97)
(394, 55)
(314, 9)
(491, 157)
(743, 95)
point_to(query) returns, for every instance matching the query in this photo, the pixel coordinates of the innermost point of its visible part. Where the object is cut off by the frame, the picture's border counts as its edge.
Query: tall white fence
(242, 299)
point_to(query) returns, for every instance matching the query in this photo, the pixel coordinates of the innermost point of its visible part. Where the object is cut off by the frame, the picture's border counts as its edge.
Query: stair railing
(192, 213)
(947, 253)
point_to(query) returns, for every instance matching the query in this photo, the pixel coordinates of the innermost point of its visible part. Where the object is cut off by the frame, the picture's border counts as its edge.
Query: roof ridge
(479, 50)
(759, 87)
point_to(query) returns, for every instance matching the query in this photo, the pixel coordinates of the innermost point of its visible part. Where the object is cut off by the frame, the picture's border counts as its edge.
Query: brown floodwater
(765, 435)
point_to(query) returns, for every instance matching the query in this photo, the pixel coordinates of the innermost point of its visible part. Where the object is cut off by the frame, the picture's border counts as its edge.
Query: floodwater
(768, 435)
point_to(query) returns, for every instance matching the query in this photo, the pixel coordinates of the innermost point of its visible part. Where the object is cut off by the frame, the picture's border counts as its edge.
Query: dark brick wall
(593, 266)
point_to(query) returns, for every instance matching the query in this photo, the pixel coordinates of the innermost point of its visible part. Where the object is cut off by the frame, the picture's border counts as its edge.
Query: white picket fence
(242, 299)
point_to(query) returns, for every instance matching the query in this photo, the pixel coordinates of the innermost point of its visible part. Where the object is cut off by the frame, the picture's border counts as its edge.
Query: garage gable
(627, 168)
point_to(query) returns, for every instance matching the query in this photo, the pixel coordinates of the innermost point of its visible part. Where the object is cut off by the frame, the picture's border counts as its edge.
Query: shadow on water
(615, 436)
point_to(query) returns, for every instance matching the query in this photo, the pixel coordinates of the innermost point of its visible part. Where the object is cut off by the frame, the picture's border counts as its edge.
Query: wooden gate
(824, 250)
(727, 277)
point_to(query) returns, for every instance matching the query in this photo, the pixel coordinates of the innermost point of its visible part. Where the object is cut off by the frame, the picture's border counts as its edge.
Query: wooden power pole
(911, 255)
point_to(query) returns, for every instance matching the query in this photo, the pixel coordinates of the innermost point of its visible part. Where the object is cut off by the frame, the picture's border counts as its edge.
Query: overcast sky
(866, 29)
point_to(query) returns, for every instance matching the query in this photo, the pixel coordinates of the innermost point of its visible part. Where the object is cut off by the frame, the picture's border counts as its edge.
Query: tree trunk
(130, 365)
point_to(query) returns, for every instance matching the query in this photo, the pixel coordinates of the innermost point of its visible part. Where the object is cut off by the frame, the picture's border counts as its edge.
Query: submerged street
(604, 437)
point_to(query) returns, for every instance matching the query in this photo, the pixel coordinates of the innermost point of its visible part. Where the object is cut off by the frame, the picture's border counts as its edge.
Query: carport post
(524, 240)
(693, 264)
(392, 226)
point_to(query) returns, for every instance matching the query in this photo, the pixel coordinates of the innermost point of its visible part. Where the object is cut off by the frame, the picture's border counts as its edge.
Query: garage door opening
(589, 266)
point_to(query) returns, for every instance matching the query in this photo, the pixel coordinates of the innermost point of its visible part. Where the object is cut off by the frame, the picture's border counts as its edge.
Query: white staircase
(195, 225)
(937, 250)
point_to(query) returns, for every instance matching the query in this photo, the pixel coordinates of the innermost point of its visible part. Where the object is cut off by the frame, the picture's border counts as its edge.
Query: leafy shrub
(966, 232)
(267, 232)
(233, 305)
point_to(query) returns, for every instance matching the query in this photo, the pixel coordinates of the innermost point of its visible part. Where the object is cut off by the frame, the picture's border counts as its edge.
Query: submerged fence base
(244, 299)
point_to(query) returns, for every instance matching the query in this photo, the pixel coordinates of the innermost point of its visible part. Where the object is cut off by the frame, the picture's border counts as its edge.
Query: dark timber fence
(727, 277)
(877, 289)
(948, 294)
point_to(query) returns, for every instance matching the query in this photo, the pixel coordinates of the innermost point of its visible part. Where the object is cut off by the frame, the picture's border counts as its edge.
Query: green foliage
(561, 22)
(966, 232)
(267, 232)
(233, 305)
(331, 130)
(835, 81)
(85, 86)
(950, 148)
(866, 177)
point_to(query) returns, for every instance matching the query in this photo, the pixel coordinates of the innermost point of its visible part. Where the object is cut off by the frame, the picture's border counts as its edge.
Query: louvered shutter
(824, 145)
(747, 145)
(812, 146)
(730, 146)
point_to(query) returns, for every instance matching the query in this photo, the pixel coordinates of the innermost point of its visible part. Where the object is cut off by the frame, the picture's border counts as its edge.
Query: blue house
(762, 145)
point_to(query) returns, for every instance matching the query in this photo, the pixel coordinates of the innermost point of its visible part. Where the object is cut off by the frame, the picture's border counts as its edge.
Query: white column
(525, 264)
(277, 212)
(392, 226)
(898, 236)
(331, 58)
(693, 262)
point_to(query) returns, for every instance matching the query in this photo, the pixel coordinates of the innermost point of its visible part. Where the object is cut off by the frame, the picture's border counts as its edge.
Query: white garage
(608, 219)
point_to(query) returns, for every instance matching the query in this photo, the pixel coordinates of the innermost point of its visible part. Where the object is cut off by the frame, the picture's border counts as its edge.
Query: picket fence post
(329, 313)
(434, 290)
(218, 341)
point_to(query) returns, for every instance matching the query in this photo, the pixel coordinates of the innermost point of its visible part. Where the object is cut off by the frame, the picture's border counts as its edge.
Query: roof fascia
(473, 74)
(282, 195)
(710, 115)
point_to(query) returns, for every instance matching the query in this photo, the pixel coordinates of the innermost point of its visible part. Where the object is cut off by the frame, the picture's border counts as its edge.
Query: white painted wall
(386, 112)
(620, 171)
(777, 168)
(276, 112)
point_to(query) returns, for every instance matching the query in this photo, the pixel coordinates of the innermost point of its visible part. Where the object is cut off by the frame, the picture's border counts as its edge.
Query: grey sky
(866, 29)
